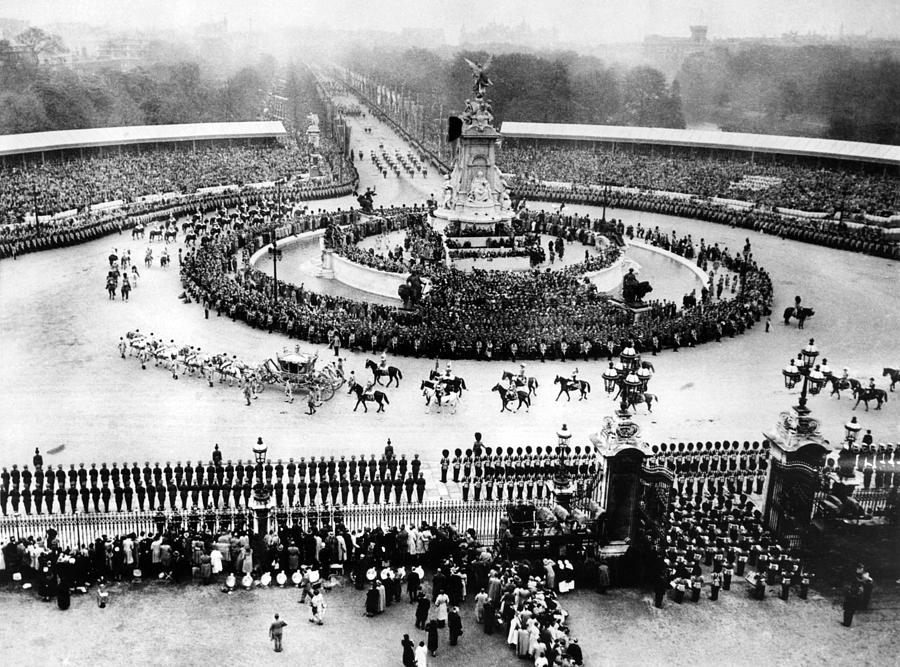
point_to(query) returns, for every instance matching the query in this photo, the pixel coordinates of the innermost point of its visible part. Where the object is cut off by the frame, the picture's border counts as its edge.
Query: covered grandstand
(41, 146)
(753, 147)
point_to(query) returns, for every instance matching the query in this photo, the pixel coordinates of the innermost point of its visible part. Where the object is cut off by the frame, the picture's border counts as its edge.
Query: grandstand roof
(759, 143)
(36, 142)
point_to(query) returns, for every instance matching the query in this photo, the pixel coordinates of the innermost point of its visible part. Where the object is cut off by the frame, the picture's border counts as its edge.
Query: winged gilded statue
(479, 75)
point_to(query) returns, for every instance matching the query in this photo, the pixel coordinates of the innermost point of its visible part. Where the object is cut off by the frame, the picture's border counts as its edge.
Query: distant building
(667, 54)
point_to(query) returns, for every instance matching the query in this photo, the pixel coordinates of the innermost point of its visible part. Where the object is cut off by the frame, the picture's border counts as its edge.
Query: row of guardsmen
(879, 464)
(711, 457)
(487, 462)
(725, 534)
(151, 496)
(510, 487)
(214, 472)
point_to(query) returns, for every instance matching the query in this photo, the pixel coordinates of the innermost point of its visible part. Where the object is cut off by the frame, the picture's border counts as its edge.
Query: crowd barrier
(76, 529)
(156, 211)
(871, 240)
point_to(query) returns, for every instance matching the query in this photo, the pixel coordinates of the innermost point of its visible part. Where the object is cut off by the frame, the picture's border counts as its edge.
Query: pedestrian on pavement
(275, 632)
(422, 610)
(851, 601)
(409, 652)
(421, 655)
(317, 607)
(432, 629)
(454, 624)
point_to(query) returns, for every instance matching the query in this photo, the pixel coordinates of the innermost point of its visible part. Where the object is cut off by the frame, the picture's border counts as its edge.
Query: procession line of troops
(216, 484)
(514, 474)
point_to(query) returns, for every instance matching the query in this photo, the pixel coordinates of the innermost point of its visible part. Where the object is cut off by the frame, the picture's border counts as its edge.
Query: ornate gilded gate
(790, 500)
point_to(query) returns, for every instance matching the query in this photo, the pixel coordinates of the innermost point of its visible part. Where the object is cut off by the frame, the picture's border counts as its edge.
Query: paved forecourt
(64, 388)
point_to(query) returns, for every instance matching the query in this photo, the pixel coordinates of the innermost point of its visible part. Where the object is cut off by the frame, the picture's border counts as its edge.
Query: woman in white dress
(441, 605)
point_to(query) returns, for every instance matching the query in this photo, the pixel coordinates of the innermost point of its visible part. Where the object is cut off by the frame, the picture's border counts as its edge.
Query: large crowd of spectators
(834, 233)
(74, 184)
(489, 314)
(784, 183)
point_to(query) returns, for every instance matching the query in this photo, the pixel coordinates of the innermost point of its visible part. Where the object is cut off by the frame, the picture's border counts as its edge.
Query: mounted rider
(512, 389)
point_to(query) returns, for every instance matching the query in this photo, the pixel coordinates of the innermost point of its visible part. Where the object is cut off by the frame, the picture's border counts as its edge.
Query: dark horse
(800, 313)
(378, 396)
(839, 384)
(393, 373)
(524, 398)
(531, 382)
(865, 394)
(566, 385)
(156, 234)
(893, 373)
(454, 384)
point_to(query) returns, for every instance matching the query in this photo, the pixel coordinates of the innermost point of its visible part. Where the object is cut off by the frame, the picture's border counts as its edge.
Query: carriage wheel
(337, 383)
(327, 391)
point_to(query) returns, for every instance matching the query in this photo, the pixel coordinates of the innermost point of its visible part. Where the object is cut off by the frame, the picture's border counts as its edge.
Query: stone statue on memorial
(479, 76)
(634, 290)
(480, 190)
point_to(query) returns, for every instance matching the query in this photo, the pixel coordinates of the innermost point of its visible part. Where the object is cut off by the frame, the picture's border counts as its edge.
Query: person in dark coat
(413, 582)
(574, 652)
(432, 629)
(851, 602)
(372, 600)
(422, 607)
(409, 651)
(454, 624)
(490, 618)
(63, 597)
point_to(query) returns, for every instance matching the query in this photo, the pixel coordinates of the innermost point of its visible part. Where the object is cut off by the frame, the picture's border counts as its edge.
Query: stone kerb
(609, 280)
(285, 243)
(367, 279)
(697, 271)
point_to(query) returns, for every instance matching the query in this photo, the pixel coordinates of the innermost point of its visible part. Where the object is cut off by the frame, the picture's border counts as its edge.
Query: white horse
(230, 369)
(451, 400)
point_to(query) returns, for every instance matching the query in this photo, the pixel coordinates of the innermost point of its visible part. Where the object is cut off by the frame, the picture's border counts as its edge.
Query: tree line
(832, 91)
(561, 87)
(170, 85)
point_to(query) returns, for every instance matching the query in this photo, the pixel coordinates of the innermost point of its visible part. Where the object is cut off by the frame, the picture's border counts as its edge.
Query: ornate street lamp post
(261, 497)
(813, 377)
(562, 485)
(610, 379)
(852, 430)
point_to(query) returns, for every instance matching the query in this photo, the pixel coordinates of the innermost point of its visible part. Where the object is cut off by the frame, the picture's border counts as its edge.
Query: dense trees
(829, 91)
(164, 89)
(561, 87)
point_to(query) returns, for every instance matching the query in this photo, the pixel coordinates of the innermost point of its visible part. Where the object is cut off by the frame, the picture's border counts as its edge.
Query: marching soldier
(445, 465)
(715, 584)
(301, 487)
(376, 490)
(457, 464)
(366, 487)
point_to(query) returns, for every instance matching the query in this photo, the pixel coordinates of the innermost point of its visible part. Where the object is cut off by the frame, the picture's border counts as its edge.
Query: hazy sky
(582, 20)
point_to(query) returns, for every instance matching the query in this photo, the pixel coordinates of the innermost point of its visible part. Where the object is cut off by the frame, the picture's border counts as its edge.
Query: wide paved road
(63, 385)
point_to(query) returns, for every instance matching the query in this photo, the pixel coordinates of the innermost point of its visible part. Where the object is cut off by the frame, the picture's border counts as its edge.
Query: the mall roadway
(62, 384)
